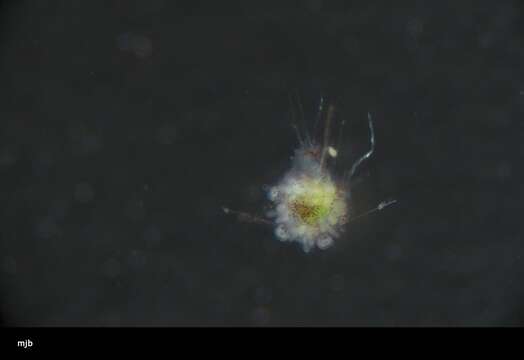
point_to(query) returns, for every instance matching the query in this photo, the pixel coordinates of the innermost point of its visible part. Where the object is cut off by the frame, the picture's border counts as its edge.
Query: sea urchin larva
(310, 204)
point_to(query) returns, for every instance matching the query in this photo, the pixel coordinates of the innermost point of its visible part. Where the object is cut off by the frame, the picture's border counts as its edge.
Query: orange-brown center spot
(306, 213)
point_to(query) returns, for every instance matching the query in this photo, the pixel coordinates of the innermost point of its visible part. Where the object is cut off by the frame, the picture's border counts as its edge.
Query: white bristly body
(309, 207)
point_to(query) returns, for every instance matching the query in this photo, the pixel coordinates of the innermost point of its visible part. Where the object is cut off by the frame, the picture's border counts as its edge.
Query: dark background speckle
(125, 126)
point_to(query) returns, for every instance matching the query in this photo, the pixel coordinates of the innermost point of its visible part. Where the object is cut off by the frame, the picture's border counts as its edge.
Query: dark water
(125, 126)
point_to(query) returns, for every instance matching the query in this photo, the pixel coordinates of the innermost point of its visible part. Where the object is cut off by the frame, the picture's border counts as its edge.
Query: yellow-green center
(314, 201)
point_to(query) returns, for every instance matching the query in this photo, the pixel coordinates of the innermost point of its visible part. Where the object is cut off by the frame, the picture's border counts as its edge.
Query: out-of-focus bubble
(393, 252)
(314, 5)
(59, 209)
(153, 234)
(111, 268)
(90, 144)
(9, 265)
(166, 134)
(84, 192)
(135, 209)
(415, 27)
(486, 40)
(7, 158)
(114, 318)
(123, 41)
(263, 295)
(42, 164)
(46, 228)
(140, 45)
(84, 141)
(261, 315)
(504, 170)
(351, 45)
(137, 259)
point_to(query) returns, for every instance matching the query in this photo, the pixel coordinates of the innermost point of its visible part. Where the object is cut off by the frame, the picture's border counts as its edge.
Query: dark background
(126, 125)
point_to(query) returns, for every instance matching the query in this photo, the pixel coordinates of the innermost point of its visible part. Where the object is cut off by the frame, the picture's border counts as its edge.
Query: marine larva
(310, 204)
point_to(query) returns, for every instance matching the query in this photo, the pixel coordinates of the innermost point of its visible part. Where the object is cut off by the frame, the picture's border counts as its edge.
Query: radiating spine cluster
(310, 205)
